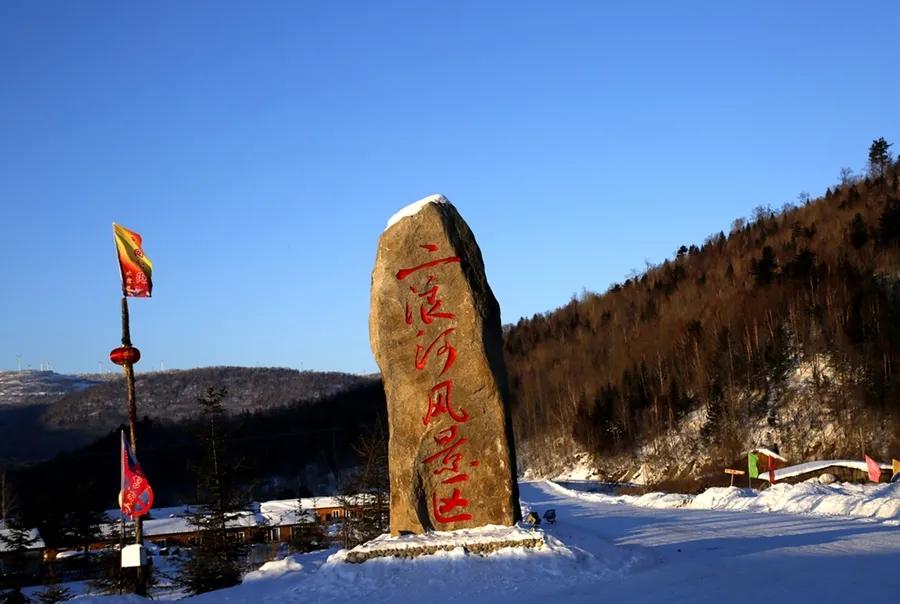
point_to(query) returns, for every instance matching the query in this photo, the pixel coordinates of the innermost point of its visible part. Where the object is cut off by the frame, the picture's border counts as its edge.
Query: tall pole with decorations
(136, 271)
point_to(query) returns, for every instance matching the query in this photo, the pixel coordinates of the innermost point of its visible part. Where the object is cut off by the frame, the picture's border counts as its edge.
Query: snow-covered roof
(768, 453)
(813, 466)
(279, 512)
(37, 542)
(414, 208)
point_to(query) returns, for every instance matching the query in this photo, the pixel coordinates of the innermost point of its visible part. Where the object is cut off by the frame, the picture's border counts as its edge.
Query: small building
(844, 470)
(277, 521)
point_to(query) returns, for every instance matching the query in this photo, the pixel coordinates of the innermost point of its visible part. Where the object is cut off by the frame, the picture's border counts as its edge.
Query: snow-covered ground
(873, 501)
(618, 549)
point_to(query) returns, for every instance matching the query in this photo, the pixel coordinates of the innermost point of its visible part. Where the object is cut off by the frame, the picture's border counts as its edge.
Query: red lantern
(125, 355)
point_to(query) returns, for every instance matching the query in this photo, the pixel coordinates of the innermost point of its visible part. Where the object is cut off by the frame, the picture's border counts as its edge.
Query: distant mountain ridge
(172, 395)
(43, 413)
(39, 387)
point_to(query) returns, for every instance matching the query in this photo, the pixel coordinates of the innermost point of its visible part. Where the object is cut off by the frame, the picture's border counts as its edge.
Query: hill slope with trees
(783, 332)
(172, 395)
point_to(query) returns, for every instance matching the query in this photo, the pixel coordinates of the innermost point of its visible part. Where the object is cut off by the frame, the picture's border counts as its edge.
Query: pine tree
(859, 232)
(308, 534)
(217, 556)
(889, 222)
(366, 495)
(82, 521)
(764, 268)
(879, 157)
(53, 592)
(17, 540)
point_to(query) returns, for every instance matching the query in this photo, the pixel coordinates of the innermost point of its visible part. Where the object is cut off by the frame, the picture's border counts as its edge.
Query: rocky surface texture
(481, 541)
(435, 332)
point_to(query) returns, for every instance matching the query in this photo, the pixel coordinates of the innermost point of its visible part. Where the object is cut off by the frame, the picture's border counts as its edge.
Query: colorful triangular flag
(874, 469)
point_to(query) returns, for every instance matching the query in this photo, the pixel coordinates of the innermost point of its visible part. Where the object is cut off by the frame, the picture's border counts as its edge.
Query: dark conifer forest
(783, 331)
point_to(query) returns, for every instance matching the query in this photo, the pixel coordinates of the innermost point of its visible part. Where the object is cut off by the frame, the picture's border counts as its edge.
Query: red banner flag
(135, 267)
(874, 469)
(136, 496)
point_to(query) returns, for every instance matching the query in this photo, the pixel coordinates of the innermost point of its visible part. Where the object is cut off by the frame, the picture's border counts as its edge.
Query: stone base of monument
(479, 541)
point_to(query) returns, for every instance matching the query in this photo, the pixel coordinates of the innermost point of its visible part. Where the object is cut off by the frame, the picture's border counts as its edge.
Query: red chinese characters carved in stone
(450, 455)
(403, 273)
(447, 349)
(442, 512)
(420, 313)
(429, 307)
(440, 401)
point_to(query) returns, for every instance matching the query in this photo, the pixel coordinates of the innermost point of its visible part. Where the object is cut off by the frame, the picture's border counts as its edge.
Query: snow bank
(648, 500)
(875, 501)
(275, 569)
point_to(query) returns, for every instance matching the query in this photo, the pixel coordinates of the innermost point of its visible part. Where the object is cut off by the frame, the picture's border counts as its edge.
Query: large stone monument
(435, 331)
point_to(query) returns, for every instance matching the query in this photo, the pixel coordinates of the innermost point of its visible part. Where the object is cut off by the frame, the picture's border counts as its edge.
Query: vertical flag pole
(140, 586)
(749, 477)
(135, 269)
(121, 494)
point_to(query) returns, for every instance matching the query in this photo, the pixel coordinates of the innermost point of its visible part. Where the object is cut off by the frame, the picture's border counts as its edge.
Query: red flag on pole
(874, 469)
(136, 496)
(135, 267)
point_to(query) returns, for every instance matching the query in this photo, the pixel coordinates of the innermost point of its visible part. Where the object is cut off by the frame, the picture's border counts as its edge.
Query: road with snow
(616, 552)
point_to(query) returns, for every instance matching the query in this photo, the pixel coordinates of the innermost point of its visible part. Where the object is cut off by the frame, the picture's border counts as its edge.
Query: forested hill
(172, 395)
(784, 331)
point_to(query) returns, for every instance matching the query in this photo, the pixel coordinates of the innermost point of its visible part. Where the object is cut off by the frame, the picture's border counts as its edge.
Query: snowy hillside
(172, 395)
(38, 387)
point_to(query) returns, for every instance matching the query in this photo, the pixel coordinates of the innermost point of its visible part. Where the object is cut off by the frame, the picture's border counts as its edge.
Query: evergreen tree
(308, 534)
(53, 592)
(879, 157)
(217, 556)
(859, 232)
(82, 520)
(764, 268)
(365, 496)
(889, 222)
(17, 539)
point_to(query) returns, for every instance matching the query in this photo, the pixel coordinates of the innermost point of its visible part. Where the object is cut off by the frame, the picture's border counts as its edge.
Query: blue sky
(260, 148)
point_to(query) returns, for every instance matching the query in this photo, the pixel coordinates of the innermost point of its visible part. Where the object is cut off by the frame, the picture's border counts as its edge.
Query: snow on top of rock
(414, 208)
(482, 535)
